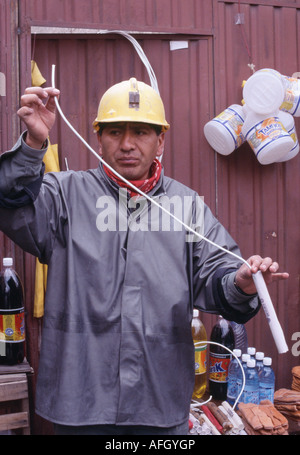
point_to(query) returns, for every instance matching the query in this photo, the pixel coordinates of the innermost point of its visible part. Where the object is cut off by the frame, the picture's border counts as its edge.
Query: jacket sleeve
(233, 304)
(30, 209)
(214, 272)
(21, 174)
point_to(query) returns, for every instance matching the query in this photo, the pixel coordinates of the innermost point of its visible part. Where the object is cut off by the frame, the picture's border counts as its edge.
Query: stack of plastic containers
(265, 120)
(267, 136)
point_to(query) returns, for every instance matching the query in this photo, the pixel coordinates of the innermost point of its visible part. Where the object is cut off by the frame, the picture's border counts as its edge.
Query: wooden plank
(12, 377)
(13, 387)
(23, 367)
(13, 421)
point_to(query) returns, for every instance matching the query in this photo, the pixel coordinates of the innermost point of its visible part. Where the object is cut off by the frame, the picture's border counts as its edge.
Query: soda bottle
(233, 371)
(240, 336)
(199, 334)
(219, 358)
(12, 321)
(266, 381)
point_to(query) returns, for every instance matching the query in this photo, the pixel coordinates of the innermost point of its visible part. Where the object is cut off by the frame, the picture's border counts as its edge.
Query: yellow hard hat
(131, 101)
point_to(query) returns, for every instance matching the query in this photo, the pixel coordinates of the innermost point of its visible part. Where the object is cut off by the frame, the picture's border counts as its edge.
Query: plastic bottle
(219, 358)
(266, 135)
(259, 357)
(199, 334)
(251, 351)
(240, 336)
(291, 102)
(251, 390)
(267, 381)
(12, 321)
(232, 385)
(224, 132)
(289, 124)
(245, 358)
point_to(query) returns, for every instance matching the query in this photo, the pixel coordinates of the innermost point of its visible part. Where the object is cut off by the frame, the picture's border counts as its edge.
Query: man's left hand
(269, 269)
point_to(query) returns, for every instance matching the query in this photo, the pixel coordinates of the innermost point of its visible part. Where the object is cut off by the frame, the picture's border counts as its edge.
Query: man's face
(130, 148)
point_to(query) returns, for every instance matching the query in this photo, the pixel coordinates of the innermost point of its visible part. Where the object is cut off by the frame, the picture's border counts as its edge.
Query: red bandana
(144, 185)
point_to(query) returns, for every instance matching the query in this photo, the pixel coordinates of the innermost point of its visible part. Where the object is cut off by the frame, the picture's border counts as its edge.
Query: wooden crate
(14, 403)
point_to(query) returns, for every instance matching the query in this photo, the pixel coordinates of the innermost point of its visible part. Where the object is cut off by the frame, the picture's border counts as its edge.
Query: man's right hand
(37, 116)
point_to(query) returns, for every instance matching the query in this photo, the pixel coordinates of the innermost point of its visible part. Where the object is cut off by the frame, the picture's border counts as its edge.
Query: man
(117, 355)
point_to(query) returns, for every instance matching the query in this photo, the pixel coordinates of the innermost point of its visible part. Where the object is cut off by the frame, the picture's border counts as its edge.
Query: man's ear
(161, 144)
(100, 144)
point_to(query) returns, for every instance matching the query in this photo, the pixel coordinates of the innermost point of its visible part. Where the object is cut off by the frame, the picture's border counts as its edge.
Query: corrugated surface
(258, 204)
(144, 15)
(9, 127)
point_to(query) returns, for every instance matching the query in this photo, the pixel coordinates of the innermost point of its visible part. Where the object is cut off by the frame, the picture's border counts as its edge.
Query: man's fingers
(25, 111)
(50, 104)
(42, 92)
(267, 263)
(280, 276)
(36, 95)
(30, 99)
(262, 264)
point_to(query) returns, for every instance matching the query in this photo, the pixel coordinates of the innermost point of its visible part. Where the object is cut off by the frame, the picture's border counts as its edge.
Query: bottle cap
(259, 355)
(264, 92)
(251, 363)
(7, 262)
(251, 351)
(267, 361)
(237, 352)
(195, 313)
(245, 357)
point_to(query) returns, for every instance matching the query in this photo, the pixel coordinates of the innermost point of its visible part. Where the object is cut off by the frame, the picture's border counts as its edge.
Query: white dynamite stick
(271, 316)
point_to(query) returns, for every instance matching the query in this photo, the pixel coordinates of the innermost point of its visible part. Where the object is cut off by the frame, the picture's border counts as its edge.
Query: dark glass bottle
(219, 358)
(12, 320)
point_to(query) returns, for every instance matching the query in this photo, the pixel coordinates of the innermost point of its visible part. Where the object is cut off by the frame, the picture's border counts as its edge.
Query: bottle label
(266, 393)
(265, 133)
(232, 390)
(250, 395)
(233, 122)
(200, 359)
(218, 367)
(292, 97)
(12, 326)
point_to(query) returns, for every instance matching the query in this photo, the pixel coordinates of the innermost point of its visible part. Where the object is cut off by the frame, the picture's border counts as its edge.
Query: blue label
(266, 393)
(250, 396)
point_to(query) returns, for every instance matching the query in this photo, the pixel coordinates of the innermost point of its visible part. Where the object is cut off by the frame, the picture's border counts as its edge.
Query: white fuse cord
(195, 403)
(140, 53)
(137, 190)
(259, 281)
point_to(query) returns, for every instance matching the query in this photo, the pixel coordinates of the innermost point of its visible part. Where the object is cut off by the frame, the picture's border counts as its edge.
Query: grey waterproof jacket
(122, 284)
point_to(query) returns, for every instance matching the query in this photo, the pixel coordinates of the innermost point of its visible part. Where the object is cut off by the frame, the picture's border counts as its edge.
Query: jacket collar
(158, 190)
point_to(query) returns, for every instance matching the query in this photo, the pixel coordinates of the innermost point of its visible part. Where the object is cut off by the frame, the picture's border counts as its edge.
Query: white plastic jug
(224, 132)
